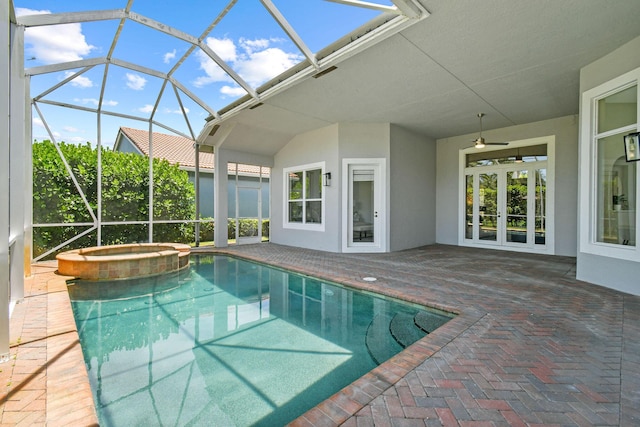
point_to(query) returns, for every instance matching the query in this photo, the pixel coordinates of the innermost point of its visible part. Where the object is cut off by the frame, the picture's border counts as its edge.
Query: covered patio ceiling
(516, 61)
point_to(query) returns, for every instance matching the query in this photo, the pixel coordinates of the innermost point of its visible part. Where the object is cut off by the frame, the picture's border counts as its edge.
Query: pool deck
(531, 345)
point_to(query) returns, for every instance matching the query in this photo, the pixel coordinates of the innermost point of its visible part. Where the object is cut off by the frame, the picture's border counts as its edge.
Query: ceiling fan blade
(496, 143)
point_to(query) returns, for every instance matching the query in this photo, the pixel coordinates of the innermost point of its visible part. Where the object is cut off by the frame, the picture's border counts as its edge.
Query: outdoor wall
(412, 173)
(565, 130)
(610, 272)
(320, 145)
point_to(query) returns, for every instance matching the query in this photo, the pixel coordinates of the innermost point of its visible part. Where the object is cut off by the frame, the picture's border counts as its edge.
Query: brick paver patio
(531, 345)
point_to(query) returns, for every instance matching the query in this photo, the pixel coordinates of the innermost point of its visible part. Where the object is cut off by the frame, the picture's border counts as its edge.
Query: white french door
(506, 206)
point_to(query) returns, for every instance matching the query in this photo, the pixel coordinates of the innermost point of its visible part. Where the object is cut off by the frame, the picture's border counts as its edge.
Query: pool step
(387, 335)
(404, 330)
(380, 343)
(429, 322)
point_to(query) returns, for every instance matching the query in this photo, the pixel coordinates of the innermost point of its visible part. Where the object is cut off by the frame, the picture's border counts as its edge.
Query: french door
(506, 206)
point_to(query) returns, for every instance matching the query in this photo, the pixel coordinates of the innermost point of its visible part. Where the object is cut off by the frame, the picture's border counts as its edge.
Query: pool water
(229, 342)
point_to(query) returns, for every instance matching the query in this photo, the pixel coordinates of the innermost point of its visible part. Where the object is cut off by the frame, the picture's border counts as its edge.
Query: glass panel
(206, 233)
(517, 206)
(314, 184)
(534, 153)
(488, 204)
(618, 110)
(174, 232)
(248, 202)
(363, 205)
(295, 211)
(206, 185)
(616, 193)
(469, 208)
(125, 187)
(174, 193)
(56, 199)
(248, 227)
(541, 206)
(125, 233)
(295, 185)
(46, 238)
(314, 212)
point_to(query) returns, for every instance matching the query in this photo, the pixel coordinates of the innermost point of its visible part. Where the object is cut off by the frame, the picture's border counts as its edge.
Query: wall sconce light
(326, 179)
(632, 147)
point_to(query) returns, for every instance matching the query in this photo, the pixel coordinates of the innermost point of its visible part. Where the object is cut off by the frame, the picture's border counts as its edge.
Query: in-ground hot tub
(123, 261)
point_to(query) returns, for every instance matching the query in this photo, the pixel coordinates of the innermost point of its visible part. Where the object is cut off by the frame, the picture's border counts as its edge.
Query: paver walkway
(530, 345)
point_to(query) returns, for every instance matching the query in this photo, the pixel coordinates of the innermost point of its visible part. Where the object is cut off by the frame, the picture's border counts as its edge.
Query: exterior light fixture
(632, 147)
(326, 179)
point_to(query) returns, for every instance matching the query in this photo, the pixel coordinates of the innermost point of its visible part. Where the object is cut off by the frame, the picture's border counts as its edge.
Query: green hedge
(125, 197)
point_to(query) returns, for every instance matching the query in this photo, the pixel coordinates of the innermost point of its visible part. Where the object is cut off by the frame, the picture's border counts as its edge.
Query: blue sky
(247, 38)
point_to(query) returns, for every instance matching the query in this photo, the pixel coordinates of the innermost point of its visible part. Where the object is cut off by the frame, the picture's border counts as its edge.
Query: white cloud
(234, 91)
(146, 109)
(80, 81)
(94, 102)
(265, 64)
(70, 129)
(135, 81)
(256, 63)
(169, 56)
(37, 121)
(224, 48)
(178, 111)
(54, 43)
(75, 139)
(252, 45)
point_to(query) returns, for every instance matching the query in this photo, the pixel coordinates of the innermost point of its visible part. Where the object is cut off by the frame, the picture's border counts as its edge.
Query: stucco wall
(613, 273)
(412, 174)
(320, 145)
(565, 130)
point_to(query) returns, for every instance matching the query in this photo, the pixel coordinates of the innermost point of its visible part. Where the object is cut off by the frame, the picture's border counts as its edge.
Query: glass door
(505, 202)
(246, 187)
(364, 212)
(489, 217)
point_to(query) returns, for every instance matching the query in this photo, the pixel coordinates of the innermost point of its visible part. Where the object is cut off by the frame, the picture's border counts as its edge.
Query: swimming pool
(231, 342)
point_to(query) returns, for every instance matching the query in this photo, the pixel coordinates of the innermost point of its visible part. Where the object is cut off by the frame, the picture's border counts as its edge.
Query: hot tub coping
(123, 261)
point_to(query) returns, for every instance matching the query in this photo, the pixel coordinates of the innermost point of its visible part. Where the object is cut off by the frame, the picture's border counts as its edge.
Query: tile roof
(179, 150)
(176, 149)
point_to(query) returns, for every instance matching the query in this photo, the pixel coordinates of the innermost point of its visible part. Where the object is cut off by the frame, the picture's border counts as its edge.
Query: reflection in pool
(230, 342)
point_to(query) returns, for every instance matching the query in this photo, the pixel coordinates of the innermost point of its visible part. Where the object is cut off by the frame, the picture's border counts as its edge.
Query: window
(609, 183)
(304, 197)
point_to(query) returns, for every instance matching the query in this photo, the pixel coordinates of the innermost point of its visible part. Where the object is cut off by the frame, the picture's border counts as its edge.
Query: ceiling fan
(479, 142)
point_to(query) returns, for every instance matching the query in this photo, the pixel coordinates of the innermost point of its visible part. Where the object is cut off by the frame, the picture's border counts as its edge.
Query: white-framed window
(303, 197)
(609, 183)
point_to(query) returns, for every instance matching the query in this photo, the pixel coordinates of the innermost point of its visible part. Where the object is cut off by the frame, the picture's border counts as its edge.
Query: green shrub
(125, 195)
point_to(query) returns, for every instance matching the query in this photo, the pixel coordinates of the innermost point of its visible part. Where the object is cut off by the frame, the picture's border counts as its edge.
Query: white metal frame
(285, 213)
